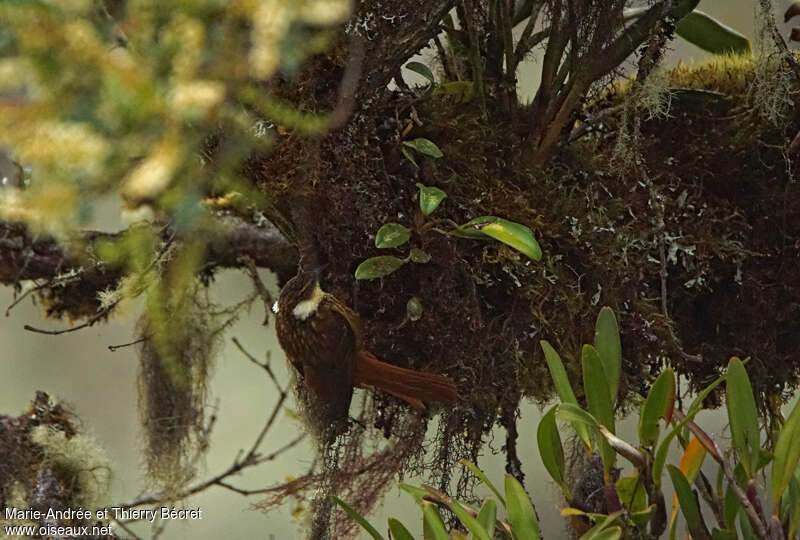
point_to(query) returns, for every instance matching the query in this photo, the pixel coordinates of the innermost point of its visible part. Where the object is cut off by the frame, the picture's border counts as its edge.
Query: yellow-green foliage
(96, 98)
(81, 463)
(728, 74)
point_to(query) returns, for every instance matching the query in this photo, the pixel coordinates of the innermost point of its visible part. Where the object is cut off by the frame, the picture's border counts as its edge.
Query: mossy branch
(69, 273)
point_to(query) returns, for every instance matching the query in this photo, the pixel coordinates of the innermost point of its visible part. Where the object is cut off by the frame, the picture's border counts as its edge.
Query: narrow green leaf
(422, 69)
(612, 533)
(488, 515)
(511, 233)
(521, 513)
(601, 525)
(659, 399)
(366, 525)
(689, 505)
(430, 198)
(564, 389)
(399, 531)
(432, 525)
(472, 524)
(792, 507)
(417, 492)
(607, 343)
(709, 34)
(376, 267)
(723, 534)
(551, 450)
(408, 156)
(596, 387)
(598, 400)
(480, 474)
(787, 454)
(660, 457)
(424, 146)
(743, 416)
(392, 235)
(574, 413)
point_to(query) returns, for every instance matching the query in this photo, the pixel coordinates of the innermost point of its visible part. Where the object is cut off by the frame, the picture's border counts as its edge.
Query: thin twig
(261, 289)
(125, 528)
(265, 366)
(113, 348)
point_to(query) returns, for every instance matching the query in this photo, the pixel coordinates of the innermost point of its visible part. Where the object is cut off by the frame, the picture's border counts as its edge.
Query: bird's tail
(414, 387)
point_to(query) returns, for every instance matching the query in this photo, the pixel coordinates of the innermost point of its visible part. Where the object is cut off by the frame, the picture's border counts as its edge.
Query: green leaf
(743, 416)
(408, 156)
(607, 343)
(422, 69)
(480, 474)
(430, 198)
(573, 413)
(663, 447)
(787, 455)
(376, 267)
(632, 492)
(373, 532)
(709, 34)
(392, 235)
(551, 450)
(418, 256)
(488, 515)
(432, 525)
(643, 517)
(399, 531)
(601, 526)
(564, 389)
(424, 146)
(521, 513)
(656, 406)
(598, 400)
(687, 499)
(511, 233)
(472, 524)
(417, 492)
(612, 533)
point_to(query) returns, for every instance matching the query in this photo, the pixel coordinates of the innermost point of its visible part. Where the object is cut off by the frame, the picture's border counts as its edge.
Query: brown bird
(322, 339)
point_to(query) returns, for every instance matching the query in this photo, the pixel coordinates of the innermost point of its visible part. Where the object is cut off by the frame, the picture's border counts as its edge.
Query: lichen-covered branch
(69, 274)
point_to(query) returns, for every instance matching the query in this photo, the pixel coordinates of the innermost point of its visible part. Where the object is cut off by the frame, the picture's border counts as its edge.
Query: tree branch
(71, 275)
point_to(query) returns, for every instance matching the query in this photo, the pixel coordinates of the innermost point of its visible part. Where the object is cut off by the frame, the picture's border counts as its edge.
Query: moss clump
(694, 261)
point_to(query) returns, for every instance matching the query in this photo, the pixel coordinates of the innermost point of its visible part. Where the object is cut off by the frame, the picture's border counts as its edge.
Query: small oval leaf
(424, 146)
(376, 267)
(418, 256)
(430, 198)
(511, 233)
(392, 235)
(422, 69)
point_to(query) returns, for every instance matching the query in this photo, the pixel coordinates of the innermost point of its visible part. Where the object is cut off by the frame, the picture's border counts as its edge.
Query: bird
(322, 338)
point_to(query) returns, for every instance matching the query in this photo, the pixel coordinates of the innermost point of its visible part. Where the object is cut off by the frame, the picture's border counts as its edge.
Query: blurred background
(100, 387)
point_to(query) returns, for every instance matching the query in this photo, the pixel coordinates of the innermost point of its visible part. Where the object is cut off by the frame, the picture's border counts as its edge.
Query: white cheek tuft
(275, 307)
(306, 308)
